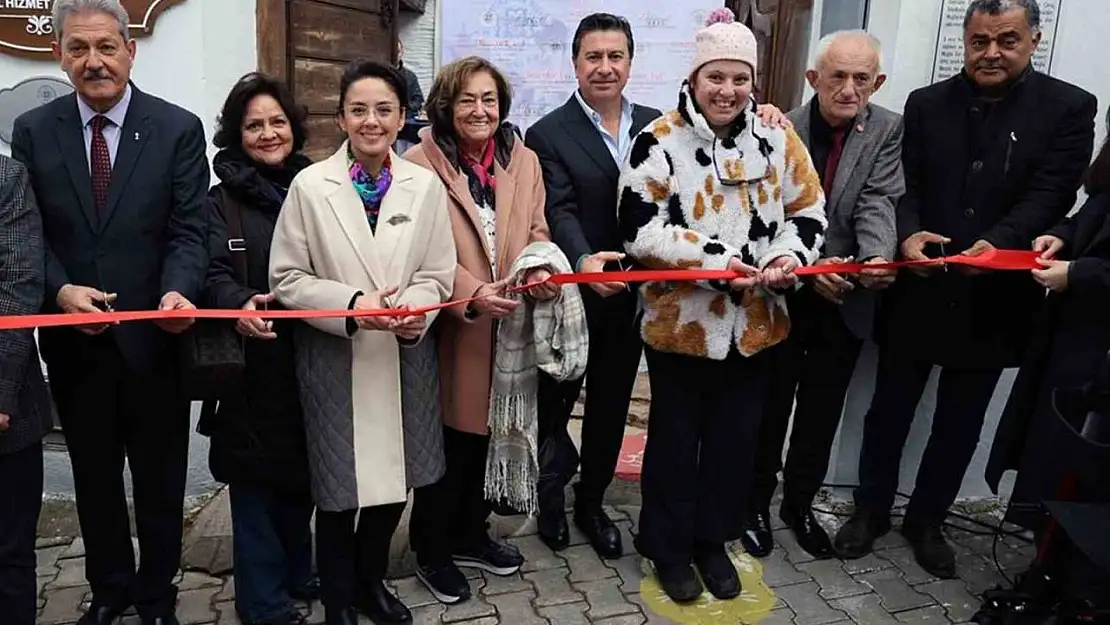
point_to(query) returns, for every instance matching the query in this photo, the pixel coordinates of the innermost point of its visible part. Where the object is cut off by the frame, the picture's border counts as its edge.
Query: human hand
(375, 301)
(877, 279)
(772, 117)
(751, 278)
(1048, 245)
(913, 249)
(82, 299)
(175, 301)
(595, 263)
(410, 327)
(1054, 276)
(491, 300)
(5, 421)
(779, 273)
(542, 289)
(977, 249)
(252, 327)
(832, 286)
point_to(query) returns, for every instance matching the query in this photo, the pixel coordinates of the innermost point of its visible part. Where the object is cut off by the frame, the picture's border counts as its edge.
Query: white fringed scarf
(550, 336)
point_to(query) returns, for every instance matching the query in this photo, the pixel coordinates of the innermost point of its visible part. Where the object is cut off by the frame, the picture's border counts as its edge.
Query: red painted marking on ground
(632, 457)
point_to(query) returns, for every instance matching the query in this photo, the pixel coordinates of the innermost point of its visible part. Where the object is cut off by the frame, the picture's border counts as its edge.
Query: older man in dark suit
(25, 411)
(581, 146)
(120, 177)
(857, 148)
(993, 157)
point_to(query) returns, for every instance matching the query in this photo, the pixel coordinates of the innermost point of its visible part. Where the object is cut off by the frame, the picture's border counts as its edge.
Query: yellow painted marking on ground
(752, 606)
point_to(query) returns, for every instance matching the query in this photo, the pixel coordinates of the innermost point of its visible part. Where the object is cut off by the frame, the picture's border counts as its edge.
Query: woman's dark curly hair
(229, 125)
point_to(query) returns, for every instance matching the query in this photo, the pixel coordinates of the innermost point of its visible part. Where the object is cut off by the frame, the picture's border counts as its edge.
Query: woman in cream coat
(364, 229)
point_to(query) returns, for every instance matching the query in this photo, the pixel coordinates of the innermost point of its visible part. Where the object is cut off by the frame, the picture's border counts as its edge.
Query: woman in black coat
(1067, 350)
(257, 434)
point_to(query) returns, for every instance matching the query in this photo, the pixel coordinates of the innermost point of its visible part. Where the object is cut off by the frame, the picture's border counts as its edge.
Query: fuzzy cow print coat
(692, 200)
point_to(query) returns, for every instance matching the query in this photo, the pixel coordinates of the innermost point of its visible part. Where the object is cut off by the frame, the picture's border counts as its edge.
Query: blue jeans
(272, 543)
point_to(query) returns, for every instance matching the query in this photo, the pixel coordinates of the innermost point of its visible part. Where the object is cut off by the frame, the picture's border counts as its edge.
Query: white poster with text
(530, 41)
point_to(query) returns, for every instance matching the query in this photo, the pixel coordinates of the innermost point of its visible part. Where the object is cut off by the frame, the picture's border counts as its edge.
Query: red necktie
(101, 165)
(833, 161)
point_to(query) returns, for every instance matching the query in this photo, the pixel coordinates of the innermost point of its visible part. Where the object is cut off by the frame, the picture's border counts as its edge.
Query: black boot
(807, 531)
(857, 537)
(376, 602)
(680, 582)
(930, 549)
(717, 571)
(757, 538)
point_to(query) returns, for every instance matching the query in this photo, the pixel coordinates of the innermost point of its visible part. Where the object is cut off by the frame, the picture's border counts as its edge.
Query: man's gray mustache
(96, 76)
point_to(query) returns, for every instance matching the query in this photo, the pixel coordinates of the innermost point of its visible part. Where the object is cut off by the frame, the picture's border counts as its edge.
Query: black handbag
(212, 358)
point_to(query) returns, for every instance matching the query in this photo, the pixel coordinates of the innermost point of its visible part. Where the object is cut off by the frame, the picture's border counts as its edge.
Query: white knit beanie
(724, 39)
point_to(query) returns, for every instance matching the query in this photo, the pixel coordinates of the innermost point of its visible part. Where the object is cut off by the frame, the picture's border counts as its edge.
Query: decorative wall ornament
(26, 29)
(26, 95)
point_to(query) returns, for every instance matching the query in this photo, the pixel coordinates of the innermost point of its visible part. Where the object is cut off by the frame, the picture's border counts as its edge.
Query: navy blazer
(154, 238)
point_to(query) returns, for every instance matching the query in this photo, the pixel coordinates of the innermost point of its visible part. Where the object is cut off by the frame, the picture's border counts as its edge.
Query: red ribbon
(998, 260)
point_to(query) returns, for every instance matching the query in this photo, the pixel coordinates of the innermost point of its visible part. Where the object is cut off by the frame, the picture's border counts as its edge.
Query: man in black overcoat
(993, 157)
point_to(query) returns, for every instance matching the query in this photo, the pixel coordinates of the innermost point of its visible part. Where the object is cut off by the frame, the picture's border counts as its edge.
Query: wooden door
(310, 42)
(782, 30)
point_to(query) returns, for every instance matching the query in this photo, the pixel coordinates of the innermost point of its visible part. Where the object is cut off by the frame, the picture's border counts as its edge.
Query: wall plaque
(948, 59)
(26, 95)
(26, 29)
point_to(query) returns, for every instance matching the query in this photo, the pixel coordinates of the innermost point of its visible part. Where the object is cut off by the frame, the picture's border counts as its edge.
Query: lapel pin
(398, 219)
(859, 127)
(136, 136)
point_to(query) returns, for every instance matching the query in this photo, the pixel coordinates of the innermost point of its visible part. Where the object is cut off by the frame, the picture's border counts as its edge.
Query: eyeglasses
(730, 181)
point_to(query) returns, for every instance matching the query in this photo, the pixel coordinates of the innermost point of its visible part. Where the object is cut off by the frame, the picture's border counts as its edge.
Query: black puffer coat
(257, 435)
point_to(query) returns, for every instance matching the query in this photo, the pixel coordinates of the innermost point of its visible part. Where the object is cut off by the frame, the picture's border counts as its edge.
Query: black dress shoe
(718, 572)
(680, 582)
(930, 548)
(554, 530)
(604, 537)
(101, 615)
(377, 603)
(308, 591)
(757, 538)
(857, 537)
(346, 616)
(807, 531)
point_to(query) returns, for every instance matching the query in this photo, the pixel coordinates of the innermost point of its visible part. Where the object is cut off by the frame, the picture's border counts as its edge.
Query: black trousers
(110, 413)
(20, 502)
(350, 559)
(450, 516)
(614, 360)
(812, 367)
(700, 452)
(962, 399)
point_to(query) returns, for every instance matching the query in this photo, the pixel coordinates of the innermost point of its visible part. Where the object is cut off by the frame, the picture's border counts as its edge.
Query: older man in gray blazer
(25, 414)
(857, 148)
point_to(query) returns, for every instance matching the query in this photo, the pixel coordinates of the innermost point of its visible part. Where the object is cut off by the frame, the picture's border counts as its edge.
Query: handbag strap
(235, 242)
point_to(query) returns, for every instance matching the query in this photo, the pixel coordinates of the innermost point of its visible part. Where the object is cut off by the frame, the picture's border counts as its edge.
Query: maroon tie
(101, 166)
(833, 161)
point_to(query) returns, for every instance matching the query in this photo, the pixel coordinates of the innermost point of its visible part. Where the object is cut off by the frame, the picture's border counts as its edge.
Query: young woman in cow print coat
(709, 186)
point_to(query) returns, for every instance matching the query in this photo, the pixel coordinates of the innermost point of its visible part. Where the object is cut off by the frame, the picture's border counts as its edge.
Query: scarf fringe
(512, 480)
(514, 413)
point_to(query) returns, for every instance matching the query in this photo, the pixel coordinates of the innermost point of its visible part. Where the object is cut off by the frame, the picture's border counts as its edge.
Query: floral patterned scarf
(370, 190)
